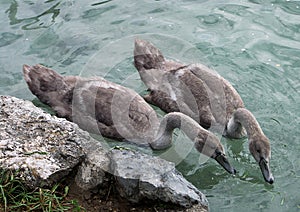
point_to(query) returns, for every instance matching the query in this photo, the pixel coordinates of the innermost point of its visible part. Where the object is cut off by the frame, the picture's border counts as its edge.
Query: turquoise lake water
(253, 44)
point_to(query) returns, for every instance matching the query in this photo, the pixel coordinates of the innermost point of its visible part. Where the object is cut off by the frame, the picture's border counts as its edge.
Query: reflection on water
(254, 44)
(43, 15)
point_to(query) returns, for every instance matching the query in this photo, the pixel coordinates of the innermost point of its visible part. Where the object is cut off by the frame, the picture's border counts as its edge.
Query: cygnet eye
(258, 150)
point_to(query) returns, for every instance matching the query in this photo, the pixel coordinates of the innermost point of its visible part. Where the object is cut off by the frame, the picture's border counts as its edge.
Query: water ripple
(280, 28)
(8, 38)
(291, 7)
(93, 13)
(279, 56)
(216, 20)
(102, 2)
(235, 9)
(44, 19)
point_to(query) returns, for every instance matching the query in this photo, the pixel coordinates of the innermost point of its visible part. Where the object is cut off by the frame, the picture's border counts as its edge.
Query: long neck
(243, 118)
(172, 121)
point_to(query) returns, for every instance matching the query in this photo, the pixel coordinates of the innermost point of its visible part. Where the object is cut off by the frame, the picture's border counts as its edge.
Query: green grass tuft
(14, 196)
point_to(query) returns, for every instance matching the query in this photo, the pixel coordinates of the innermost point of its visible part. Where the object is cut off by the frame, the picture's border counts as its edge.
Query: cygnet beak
(265, 170)
(222, 160)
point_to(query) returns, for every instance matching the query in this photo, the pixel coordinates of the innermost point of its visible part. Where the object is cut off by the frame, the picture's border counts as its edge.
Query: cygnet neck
(243, 118)
(172, 121)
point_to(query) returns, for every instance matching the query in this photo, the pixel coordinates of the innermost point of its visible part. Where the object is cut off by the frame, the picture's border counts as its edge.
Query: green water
(254, 44)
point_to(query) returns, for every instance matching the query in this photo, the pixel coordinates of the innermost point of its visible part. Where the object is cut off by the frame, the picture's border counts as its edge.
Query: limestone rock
(41, 147)
(92, 171)
(140, 176)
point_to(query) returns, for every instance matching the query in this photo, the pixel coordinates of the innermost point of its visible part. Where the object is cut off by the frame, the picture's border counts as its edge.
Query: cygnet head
(212, 147)
(260, 149)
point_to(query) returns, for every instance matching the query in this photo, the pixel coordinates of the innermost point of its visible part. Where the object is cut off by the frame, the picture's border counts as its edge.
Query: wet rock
(140, 176)
(40, 147)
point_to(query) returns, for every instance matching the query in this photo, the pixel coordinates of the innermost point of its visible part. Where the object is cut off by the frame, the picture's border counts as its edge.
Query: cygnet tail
(48, 86)
(146, 55)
